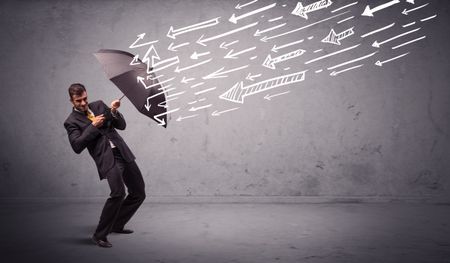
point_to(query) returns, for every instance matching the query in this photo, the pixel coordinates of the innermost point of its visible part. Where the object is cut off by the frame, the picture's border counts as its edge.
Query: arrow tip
(170, 33)
(367, 12)
(200, 41)
(378, 63)
(233, 19)
(376, 44)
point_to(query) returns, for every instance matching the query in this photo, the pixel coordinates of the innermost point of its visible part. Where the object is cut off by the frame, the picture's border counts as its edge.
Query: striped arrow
(270, 62)
(302, 11)
(238, 92)
(334, 38)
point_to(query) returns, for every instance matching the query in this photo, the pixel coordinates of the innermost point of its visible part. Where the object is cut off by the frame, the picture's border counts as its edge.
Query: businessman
(93, 126)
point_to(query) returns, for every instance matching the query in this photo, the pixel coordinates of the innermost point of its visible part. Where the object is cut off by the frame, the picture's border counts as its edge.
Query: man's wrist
(114, 112)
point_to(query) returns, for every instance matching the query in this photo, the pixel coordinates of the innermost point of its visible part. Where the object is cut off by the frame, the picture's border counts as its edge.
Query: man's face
(80, 102)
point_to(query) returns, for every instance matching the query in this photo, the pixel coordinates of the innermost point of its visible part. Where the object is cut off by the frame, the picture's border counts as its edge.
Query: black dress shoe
(101, 242)
(122, 231)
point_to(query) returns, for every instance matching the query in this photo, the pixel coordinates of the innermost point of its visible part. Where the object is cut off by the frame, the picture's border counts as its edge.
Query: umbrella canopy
(142, 89)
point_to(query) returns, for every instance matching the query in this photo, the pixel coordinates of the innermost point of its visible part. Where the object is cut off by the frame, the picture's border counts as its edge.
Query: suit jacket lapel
(80, 116)
(94, 108)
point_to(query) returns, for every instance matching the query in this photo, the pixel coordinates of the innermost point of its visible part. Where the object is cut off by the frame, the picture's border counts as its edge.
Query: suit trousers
(118, 210)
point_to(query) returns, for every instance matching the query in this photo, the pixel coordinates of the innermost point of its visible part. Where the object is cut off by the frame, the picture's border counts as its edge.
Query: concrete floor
(380, 232)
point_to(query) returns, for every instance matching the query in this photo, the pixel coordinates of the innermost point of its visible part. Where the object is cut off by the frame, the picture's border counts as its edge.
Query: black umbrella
(130, 76)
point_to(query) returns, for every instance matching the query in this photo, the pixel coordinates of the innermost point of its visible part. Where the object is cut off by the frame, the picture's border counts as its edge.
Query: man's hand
(98, 120)
(115, 105)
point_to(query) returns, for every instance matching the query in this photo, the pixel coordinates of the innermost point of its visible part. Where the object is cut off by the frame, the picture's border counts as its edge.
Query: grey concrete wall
(371, 131)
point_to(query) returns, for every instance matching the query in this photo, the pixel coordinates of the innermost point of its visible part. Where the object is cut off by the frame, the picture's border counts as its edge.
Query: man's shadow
(81, 236)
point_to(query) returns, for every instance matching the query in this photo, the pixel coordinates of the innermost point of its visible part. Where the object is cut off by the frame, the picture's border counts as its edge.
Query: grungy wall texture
(363, 131)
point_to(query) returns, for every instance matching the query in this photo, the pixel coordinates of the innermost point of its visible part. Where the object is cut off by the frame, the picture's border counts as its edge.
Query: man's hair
(76, 89)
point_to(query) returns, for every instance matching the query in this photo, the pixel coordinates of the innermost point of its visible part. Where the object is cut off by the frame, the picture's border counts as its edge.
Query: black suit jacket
(82, 134)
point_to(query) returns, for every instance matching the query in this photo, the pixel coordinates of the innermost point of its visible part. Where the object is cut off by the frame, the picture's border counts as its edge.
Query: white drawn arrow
(302, 11)
(218, 113)
(332, 54)
(175, 32)
(202, 41)
(252, 77)
(335, 73)
(135, 60)
(141, 79)
(204, 91)
(369, 11)
(409, 42)
(276, 48)
(353, 60)
(175, 94)
(239, 6)
(162, 122)
(196, 55)
(164, 103)
(269, 97)
(147, 105)
(334, 38)
(225, 45)
(259, 32)
(270, 62)
(410, 1)
(238, 92)
(221, 74)
(139, 37)
(378, 44)
(197, 85)
(234, 18)
(174, 48)
(186, 117)
(406, 12)
(199, 108)
(234, 55)
(378, 30)
(154, 63)
(178, 69)
(266, 38)
(380, 63)
(186, 80)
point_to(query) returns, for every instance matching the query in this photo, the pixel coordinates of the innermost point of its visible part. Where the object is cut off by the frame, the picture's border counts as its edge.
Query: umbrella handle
(122, 96)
